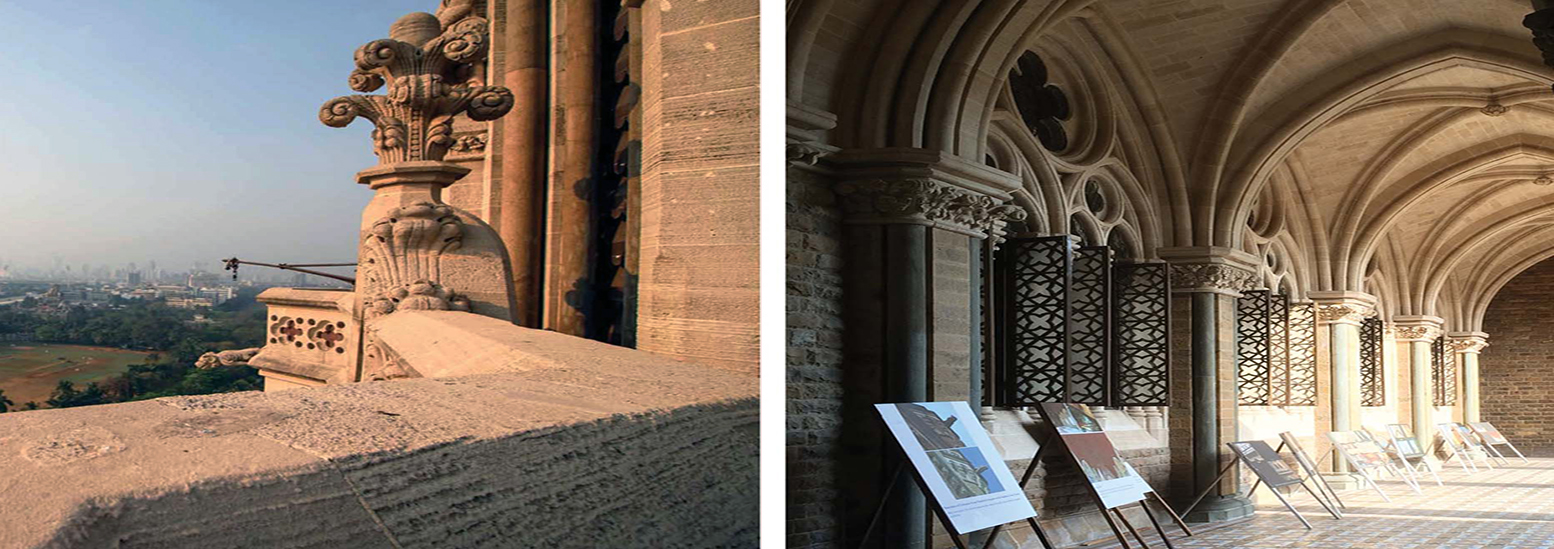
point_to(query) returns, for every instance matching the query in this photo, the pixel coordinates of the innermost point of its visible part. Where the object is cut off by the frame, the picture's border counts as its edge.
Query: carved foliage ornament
(432, 75)
(928, 201)
(1415, 333)
(1339, 313)
(1467, 345)
(401, 257)
(1212, 275)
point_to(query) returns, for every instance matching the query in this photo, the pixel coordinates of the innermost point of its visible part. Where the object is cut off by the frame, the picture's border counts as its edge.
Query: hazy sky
(181, 130)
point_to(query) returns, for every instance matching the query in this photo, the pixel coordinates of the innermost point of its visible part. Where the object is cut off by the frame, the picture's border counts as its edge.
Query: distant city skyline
(181, 131)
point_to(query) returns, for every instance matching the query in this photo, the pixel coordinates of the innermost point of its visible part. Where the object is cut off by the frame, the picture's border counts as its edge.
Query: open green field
(29, 371)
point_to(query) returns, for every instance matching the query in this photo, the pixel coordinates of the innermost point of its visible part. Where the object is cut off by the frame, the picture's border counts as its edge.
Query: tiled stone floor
(1511, 506)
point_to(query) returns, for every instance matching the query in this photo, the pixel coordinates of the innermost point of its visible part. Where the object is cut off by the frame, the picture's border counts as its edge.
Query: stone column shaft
(1211, 279)
(1419, 332)
(1468, 345)
(520, 212)
(1340, 315)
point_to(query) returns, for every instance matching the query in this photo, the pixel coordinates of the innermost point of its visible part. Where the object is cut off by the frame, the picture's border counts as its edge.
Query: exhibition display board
(1367, 459)
(1111, 480)
(956, 465)
(1400, 439)
(1271, 469)
(1491, 438)
(1288, 440)
(1462, 446)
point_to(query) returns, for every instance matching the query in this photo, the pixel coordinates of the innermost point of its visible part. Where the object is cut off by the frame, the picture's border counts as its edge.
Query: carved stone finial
(430, 64)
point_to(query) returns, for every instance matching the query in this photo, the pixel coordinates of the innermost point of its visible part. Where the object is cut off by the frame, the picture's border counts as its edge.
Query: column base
(1221, 508)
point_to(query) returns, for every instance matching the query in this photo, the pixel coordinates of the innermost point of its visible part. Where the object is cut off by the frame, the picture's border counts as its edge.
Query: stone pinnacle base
(1220, 508)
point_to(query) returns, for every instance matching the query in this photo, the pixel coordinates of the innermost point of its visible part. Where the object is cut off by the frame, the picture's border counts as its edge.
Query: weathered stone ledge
(605, 447)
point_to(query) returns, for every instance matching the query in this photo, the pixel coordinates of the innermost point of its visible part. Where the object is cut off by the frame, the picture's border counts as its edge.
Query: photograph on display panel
(1114, 480)
(959, 466)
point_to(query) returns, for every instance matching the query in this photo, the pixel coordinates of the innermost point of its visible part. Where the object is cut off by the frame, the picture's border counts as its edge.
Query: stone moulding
(926, 201)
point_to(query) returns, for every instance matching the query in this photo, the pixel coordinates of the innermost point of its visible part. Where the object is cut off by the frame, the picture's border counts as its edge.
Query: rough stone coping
(73, 475)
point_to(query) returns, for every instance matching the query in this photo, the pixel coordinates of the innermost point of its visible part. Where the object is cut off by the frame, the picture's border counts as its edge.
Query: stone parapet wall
(1517, 390)
(583, 452)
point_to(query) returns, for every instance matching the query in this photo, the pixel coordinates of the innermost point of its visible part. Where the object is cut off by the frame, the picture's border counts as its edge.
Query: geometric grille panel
(1373, 390)
(1090, 326)
(1141, 318)
(1443, 373)
(1278, 349)
(1252, 348)
(1302, 387)
(1037, 307)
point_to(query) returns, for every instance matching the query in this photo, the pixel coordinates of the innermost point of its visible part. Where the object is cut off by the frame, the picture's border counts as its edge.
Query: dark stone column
(1212, 278)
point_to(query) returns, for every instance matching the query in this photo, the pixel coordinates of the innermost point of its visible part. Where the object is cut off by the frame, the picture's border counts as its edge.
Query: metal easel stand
(1322, 486)
(1276, 493)
(1106, 513)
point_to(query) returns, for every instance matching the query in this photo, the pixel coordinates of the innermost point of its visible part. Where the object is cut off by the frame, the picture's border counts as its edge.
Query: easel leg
(1115, 530)
(1210, 487)
(1163, 537)
(1319, 499)
(1174, 516)
(1135, 532)
(991, 536)
(1290, 507)
(883, 498)
(1425, 463)
(1518, 452)
(1376, 487)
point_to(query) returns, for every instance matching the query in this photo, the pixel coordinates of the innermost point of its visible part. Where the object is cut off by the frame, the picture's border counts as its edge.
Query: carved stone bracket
(927, 202)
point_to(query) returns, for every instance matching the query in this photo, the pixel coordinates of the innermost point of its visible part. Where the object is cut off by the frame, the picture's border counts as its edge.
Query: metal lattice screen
(1443, 373)
(1373, 391)
(1302, 381)
(1253, 354)
(1074, 326)
(1036, 313)
(1142, 318)
(1276, 359)
(1089, 341)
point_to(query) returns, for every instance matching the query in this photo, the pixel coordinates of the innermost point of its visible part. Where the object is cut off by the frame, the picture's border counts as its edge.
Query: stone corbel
(1211, 269)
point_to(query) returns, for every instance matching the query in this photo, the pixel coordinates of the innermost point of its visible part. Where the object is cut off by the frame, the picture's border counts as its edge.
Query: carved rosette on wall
(401, 260)
(1211, 276)
(433, 74)
(927, 202)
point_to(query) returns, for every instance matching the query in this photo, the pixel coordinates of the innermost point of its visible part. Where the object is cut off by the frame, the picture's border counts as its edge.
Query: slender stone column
(917, 223)
(1205, 283)
(1418, 332)
(1340, 315)
(1468, 345)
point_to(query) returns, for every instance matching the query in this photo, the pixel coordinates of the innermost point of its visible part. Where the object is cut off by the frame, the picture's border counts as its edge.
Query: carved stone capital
(1418, 328)
(1343, 307)
(924, 201)
(1212, 276)
(432, 68)
(1467, 342)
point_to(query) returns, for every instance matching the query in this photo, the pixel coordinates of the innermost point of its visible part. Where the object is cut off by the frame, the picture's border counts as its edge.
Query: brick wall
(1517, 388)
(814, 360)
